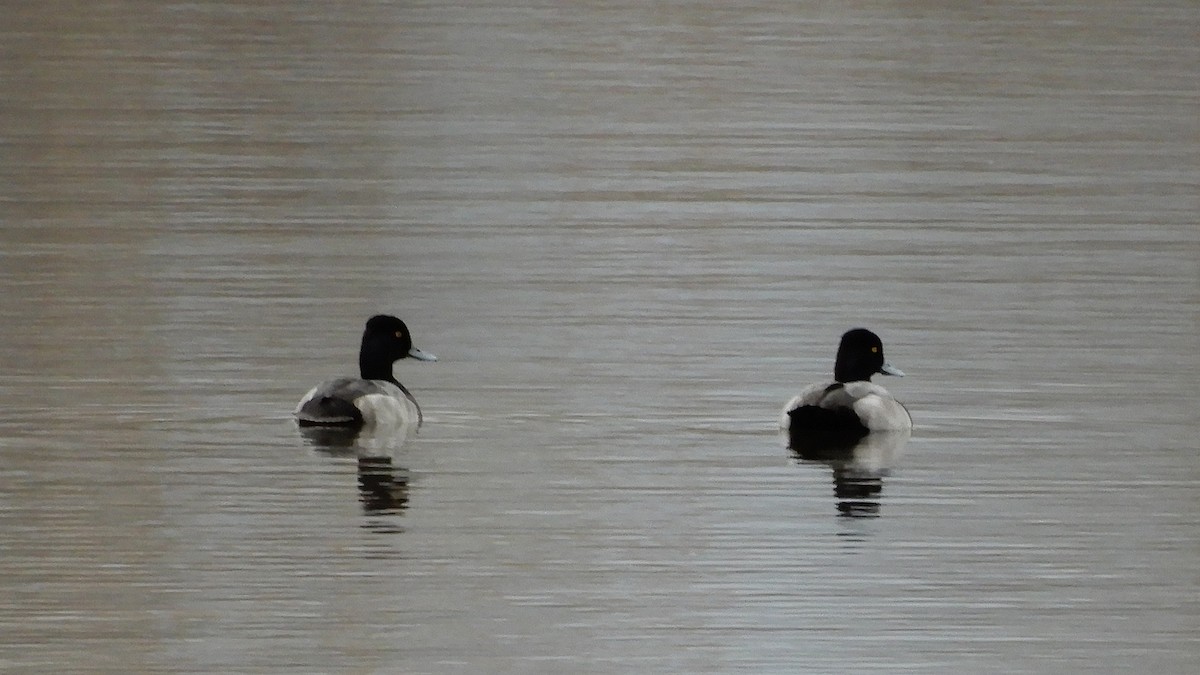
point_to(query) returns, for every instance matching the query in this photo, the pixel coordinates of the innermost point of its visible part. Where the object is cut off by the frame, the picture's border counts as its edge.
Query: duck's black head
(386, 340)
(860, 355)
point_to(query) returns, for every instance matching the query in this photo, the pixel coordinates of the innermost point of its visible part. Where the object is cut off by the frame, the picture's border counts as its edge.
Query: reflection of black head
(859, 356)
(385, 340)
(859, 468)
(381, 487)
(857, 491)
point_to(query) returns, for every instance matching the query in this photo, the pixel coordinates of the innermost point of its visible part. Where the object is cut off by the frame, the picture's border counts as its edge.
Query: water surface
(630, 232)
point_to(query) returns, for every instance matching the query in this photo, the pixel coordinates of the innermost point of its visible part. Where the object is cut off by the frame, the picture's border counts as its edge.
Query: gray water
(630, 231)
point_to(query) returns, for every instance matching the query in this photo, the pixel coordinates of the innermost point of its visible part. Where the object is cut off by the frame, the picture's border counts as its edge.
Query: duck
(375, 398)
(851, 406)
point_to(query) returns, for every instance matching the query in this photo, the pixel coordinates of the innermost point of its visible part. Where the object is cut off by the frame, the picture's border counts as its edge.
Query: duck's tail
(813, 426)
(329, 411)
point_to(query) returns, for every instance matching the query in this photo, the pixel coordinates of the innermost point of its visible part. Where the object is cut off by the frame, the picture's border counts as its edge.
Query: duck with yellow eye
(851, 406)
(376, 398)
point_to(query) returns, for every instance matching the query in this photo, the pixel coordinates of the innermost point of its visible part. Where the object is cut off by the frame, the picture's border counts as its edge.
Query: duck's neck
(374, 370)
(852, 372)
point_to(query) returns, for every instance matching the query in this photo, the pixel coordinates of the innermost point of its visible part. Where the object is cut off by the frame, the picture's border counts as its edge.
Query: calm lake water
(630, 231)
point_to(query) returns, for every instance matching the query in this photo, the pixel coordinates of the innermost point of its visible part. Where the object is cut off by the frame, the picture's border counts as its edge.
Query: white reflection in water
(858, 468)
(383, 486)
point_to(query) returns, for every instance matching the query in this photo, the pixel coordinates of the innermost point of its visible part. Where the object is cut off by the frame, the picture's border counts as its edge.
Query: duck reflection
(382, 486)
(859, 467)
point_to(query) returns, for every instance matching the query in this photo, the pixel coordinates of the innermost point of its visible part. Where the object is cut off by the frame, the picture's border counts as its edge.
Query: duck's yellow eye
(874, 350)
(399, 334)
